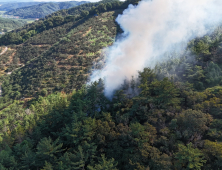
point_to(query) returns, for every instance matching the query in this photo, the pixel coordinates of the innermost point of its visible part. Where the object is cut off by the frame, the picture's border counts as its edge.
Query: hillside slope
(58, 58)
(43, 9)
(170, 117)
(152, 122)
(14, 5)
(7, 24)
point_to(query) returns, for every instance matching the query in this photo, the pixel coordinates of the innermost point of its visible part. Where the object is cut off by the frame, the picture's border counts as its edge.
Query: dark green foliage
(84, 13)
(189, 158)
(191, 125)
(214, 75)
(213, 152)
(104, 164)
(47, 150)
(167, 118)
(85, 130)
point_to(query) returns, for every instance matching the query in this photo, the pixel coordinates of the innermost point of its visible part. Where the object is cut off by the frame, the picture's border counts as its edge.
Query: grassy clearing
(29, 21)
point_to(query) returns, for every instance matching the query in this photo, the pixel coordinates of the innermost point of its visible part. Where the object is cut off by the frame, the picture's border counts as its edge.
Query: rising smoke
(151, 29)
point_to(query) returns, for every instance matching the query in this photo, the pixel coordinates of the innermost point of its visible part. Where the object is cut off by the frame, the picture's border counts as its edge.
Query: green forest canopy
(167, 118)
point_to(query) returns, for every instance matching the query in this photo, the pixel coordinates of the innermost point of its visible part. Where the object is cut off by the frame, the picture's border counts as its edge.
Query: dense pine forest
(50, 119)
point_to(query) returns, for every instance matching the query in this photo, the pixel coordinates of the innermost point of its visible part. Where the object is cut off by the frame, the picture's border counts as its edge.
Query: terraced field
(61, 58)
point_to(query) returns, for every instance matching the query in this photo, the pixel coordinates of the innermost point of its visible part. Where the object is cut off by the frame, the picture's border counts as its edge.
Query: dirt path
(3, 52)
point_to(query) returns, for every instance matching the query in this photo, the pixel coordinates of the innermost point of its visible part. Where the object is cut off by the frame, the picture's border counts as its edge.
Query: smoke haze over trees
(150, 32)
(167, 117)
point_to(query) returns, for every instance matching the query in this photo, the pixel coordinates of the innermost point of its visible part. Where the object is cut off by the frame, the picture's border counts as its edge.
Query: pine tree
(104, 164)
(189, 158)
(48, 150)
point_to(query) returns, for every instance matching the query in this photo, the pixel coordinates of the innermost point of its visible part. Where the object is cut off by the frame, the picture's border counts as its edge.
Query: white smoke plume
(150, 29)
